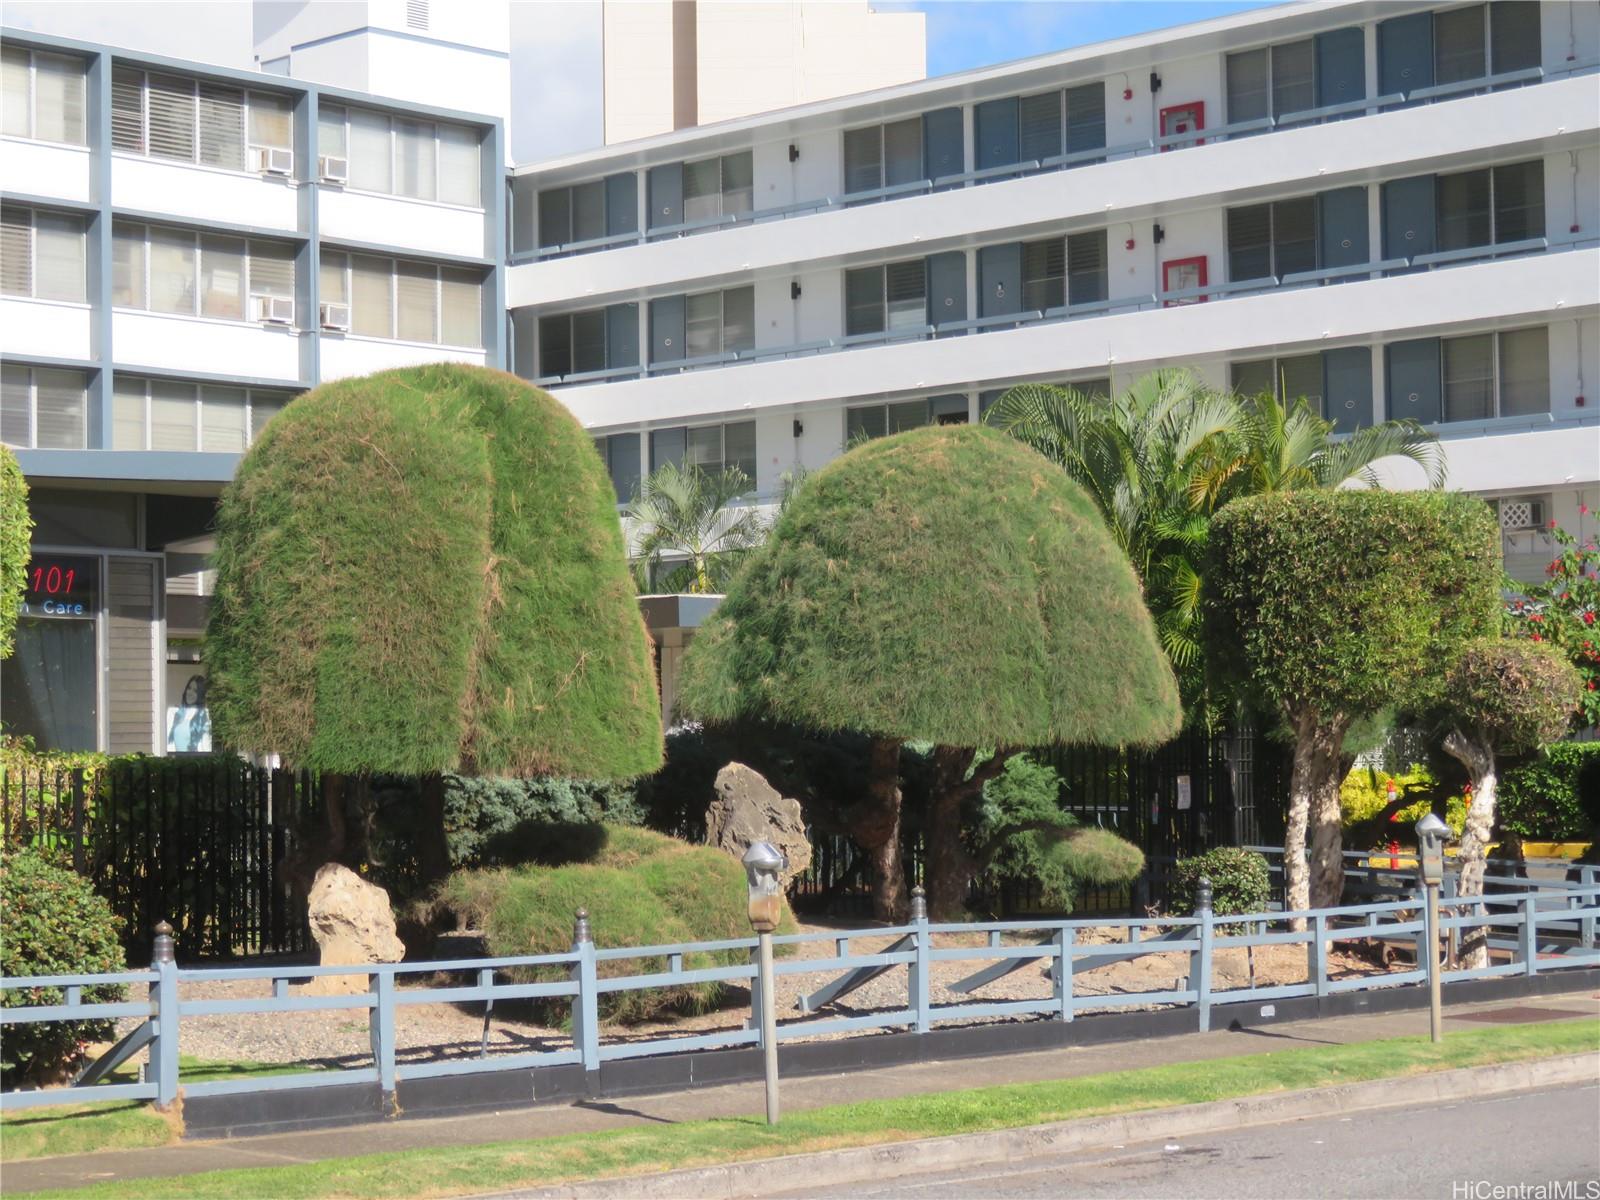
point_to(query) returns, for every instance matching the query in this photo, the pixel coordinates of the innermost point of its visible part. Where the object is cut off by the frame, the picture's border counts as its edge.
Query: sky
(555, 44)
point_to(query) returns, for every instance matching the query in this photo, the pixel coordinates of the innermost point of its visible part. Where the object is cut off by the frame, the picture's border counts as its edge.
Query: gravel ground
(339, 1037)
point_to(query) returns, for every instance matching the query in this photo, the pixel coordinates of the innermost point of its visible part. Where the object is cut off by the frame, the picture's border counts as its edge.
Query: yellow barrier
(1407, 859)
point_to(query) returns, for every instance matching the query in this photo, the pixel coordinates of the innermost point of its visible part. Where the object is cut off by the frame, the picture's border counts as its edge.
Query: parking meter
(762, 866)
(1431, 835)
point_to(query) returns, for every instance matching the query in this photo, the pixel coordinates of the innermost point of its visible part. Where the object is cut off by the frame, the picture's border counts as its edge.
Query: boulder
(352, 923)
(745, 808)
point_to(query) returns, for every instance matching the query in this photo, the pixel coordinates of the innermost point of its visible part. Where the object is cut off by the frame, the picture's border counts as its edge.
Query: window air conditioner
(335, 316)
(272, 310)
(333, 169)
(1522, 512)
(271, 160)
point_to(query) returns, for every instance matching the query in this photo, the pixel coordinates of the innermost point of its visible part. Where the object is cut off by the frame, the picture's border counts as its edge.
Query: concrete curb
(832, 1168)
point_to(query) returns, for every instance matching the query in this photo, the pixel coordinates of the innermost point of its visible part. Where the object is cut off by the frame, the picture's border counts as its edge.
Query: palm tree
(1163, 455)
(689, 513)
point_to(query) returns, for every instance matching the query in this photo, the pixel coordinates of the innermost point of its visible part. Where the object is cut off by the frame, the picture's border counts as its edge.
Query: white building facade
(185, 249)
(1390, 208)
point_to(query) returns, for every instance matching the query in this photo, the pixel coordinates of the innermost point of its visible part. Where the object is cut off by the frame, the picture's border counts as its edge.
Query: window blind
(555, 217)
(60, 409)
(738, 319)
(171, 116)
(222, 277)
(415, 167)
(461, 311)
(262, 409)
(869, 422)
(704, 448)
(128, 401)
(738, 183)
(331, 132)
(1086, 267)
(172, 415)
(1458, 45)
(223, 424)
(702, 324)
(58, 257)
(863, 170)
(1250, 242)
(588, 211)
(271, 269)
(370, 152)
(739, 448)
(1086, 117)
(1039, 125)
(416, 302)
(863, 300)
(127, 109)
(372, 296)
(16, 251)
(555, 346)
(1464, 210)
(127, 266)
(1044, 274)
(1293, 77)
(58, 83)
(16, 406)
(222, 127)
(1248, 85)
(1514, 38)
(702, 190)
(459, 169)
(1294, 236)
(271, 121)
(902, 152)
(905, 294)
(16, 108)
(589, 340)
(172, 272)
(1469, 378)
(908, 414)
(1519, 201)
(1524, 372)
(1300, 378)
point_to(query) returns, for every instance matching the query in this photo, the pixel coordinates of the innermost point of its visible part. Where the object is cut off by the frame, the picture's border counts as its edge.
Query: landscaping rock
(745, 809)
(353, 924)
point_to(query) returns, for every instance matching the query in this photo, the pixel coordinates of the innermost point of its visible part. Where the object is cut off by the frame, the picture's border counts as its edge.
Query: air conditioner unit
(272, 310)
(333, 169)
(271, 160)
(1522, 512)
(335, 316)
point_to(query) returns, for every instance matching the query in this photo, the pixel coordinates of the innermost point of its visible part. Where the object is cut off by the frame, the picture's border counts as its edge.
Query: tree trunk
(875, 827)
(1478, 758)
(948, 868)
(433, 847)
(1313, 811)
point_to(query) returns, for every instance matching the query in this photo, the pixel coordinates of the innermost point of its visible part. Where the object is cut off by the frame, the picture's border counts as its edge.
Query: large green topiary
(1554, 795)
(422, 570)
(52, 923)
(947, 585)
(640, 888)
(1327, 607)
(16, 530)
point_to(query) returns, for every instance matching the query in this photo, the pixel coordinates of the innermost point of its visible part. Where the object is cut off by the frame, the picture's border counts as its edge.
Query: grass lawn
(110, 1124)
(460, 1170)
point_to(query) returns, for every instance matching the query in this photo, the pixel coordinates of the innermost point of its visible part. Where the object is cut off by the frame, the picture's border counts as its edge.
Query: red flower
(1583, 510)
(1537, 638)
(1588, 619)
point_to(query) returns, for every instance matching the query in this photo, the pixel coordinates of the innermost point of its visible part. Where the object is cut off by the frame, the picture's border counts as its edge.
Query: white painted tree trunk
(1314, 811)
(1478, 757)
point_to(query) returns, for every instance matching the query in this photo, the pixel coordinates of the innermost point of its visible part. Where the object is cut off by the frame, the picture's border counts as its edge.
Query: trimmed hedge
(1240, 881)
(52, 923)
(640, 888)
(1555, 796)
(16, 530)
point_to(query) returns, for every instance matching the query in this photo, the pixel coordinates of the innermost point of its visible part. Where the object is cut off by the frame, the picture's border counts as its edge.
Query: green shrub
(16, 530)
(1555, 796)
(1240, 881)
(52, 923)
(640, 888)
(1057, 860)
(1364, 794)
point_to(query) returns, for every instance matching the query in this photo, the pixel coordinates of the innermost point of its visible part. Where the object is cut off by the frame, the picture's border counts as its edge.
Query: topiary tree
(1329, 606)
(945, 585)
(52, 923)
(16, 532)
(1501, 697)
(423, 571)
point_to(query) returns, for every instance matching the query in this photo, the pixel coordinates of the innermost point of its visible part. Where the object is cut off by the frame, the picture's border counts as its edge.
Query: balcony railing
(1329, 276)
(1346, 110)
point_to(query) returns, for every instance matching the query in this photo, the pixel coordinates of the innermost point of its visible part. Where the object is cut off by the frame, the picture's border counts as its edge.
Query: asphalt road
(1444, 1152)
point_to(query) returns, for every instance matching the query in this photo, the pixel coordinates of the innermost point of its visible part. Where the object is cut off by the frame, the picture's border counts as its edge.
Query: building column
(308, 258)
(98, 251)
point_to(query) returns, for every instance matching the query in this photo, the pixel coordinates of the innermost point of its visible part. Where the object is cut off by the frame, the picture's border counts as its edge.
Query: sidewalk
(746, 1098)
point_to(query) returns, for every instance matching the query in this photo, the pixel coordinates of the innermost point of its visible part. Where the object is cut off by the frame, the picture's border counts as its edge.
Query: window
(1474, 378)
(43, 408)
(1293, 77)
(1290, 379)
(1267, 240)
(620, 453)
(43, 95)
(886, 298)
(188, 274)
(1272, 81)
(1459, 38)
(424, 160)
(879, 420)
(718, 187)
(1490, 206)
(883, 155)
(1086, 268)
(586, 211)
(198, 121)
(1249, 85)
(403, 300)
(41, 255)
(1044, 274)
(712, 448)
(160, 414)
(1524, 372)
(597, 339)
(719, 322)
(1468, 378)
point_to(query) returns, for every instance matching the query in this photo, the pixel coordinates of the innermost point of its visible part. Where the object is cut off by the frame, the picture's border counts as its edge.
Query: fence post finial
(1202, 895)
(162, 949)
(919, 904)
(580, 928)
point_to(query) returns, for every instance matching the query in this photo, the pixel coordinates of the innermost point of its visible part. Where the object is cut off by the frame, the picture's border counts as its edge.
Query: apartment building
(1390, 208)
(185, 248)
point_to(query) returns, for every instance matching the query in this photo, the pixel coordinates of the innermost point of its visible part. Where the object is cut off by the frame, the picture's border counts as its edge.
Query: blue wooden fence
(1534, 927)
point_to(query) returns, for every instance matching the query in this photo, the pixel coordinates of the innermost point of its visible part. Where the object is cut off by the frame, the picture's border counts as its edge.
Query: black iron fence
(1198, 791)
(199, 843)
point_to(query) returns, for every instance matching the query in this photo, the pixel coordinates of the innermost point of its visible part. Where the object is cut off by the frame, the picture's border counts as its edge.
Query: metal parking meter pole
(1431, 833)
(763, 865)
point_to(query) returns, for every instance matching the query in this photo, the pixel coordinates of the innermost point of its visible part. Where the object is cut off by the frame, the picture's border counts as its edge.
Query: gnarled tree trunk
(951, 865)
(1314, 818)
(1478, 758)
(875, 827)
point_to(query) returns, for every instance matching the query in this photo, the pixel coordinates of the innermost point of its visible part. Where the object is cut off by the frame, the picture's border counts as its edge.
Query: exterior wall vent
(417, 14)
(1521, 512)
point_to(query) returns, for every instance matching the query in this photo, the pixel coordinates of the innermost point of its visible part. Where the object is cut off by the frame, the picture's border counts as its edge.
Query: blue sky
(973, 33)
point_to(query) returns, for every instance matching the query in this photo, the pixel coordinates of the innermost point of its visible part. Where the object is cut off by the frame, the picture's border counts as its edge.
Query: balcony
(1137, 148)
